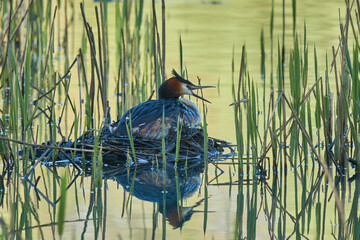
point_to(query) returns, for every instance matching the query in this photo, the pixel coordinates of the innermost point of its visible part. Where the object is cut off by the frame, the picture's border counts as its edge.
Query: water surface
(211, 31)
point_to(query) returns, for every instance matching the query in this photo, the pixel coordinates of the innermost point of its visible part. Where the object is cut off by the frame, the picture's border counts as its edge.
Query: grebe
(146, 118)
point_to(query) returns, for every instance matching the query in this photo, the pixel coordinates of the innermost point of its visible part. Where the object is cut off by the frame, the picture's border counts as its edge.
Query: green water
(210, 31)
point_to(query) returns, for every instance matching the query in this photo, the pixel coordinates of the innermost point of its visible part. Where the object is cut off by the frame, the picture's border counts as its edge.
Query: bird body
(146, 118)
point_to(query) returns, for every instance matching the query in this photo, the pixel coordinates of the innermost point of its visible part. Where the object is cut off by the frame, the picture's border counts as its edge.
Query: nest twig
(117, 150)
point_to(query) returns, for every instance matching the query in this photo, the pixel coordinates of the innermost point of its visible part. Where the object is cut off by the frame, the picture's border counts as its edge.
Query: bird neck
(170, 89)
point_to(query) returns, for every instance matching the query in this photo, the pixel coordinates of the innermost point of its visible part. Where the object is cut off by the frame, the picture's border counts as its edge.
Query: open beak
(194, 87)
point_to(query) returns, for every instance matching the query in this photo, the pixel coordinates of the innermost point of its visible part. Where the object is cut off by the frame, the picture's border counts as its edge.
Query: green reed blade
(62, 205)
(355, 83)
(77, 204)
(297, 75)
(294, 16)
(279, 229)
(309, 212)
(353, 215)
(118, 40)
(163, 146)
(304, 178)
(178, 191)
(317, 91)
(356, 230)
(263, 73)
(318, 219)
(139, 8)
(272, 22)
(309, 121)
(181, 57)
(280, 81)
(304, 76)
(356, 104)
(178, 139)
(129, 130)
(205, 167)
(131, 190)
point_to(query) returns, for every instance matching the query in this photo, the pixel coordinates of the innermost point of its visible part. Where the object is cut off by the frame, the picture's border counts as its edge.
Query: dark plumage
(146, 118)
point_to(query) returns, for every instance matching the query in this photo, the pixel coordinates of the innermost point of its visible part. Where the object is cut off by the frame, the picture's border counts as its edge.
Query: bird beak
(194, 87)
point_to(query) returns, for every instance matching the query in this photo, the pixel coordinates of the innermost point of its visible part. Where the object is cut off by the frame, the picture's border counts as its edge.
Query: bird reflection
(147, 183)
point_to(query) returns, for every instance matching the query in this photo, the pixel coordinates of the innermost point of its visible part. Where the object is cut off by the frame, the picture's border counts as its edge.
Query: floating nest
(118, 150)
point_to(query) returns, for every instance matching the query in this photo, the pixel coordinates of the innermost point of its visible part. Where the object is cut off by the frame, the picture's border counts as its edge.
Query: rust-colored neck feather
(170, 89)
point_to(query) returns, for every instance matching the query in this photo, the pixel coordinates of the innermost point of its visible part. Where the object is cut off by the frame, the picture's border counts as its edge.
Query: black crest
(181, 78)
